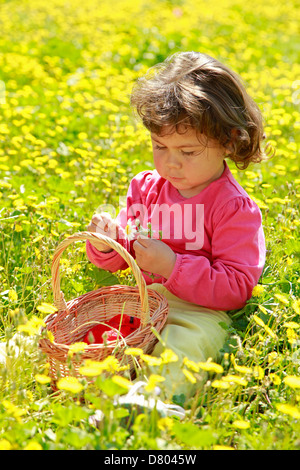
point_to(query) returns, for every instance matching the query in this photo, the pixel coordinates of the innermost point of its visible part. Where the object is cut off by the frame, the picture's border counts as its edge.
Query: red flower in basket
(128, 326)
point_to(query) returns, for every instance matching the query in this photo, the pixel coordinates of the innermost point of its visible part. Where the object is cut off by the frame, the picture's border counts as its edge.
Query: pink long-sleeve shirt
(217, 236)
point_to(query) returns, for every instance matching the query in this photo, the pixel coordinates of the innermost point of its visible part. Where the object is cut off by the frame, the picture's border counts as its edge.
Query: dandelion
(191, 364)
(12, 295)
(91, 368)
(291, 324)
(32, 327)
(188, 374)
(153, 380)
(5, 444)
(235, 379)
(221, 447)
(241, 424)
(240, 369)
(33, 445)
(46, 308)
(258, 290)
(122, 381)
(220, 384)
(282, 299)
(76, 347)
(168, 356)
(13, 410)
(296, 306)
(290, 410)
(292, 381)
(210, 366)
(151, 360)
(165, 424)
(42, 379)
(134, 352)
(70, 384)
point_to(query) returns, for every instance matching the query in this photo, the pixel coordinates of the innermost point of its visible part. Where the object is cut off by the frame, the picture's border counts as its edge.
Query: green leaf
(191, 435)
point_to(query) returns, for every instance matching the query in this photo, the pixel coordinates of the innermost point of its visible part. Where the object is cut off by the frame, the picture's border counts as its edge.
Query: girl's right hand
(103, 223)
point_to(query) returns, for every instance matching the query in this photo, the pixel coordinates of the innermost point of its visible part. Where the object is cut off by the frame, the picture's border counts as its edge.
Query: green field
(69, 143)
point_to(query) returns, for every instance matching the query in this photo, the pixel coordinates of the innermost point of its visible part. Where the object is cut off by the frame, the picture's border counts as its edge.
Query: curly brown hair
(198, 91)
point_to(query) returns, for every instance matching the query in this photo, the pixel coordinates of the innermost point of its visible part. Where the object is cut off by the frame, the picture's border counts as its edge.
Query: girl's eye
(157, 147)
(187, 154)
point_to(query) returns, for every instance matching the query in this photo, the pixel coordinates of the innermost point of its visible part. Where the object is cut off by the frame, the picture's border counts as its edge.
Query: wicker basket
(75, 317)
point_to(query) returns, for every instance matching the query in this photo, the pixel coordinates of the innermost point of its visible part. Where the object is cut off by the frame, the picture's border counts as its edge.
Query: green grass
(69, 143)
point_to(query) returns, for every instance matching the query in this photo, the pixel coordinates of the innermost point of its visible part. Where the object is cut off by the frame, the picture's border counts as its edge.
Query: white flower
(130, 231)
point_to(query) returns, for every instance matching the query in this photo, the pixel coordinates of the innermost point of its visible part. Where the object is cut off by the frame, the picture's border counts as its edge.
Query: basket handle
(59, 300)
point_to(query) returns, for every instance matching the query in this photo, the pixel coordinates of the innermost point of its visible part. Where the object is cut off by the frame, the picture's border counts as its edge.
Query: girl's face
(188, 161)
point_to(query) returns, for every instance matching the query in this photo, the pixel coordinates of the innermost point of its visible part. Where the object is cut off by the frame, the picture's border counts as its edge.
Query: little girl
(206, 250)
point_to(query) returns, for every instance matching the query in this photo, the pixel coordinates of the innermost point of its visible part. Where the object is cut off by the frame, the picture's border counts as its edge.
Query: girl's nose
(173, 161)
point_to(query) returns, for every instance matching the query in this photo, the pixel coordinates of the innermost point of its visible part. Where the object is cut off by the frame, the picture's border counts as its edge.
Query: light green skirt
(191, 332)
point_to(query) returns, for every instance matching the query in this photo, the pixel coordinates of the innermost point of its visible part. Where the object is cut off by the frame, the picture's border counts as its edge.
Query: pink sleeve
(225, 281)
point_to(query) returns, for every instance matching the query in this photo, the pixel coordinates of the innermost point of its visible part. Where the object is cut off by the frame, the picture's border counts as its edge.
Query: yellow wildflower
(70, 384)
(42, 379)
(292, 381)
(210, 366)
(290, 410)
(76, 347)
(240, 424)
(168, 356)
(258, 290)
(134, 352)
(191, 378)
(46, 308)
(153, 380)
(122, 381)
(151, 360)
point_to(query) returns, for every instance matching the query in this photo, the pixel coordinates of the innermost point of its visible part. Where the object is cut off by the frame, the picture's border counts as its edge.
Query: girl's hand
(103, 223)
(154, 256)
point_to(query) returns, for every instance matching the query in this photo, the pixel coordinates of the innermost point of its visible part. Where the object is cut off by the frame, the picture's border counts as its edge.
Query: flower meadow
(69, 143)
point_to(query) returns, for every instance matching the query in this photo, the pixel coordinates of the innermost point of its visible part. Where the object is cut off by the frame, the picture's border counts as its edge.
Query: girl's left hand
(154, 256)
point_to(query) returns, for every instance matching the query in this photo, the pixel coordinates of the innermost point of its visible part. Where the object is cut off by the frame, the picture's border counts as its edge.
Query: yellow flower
(191, 364)
(33, 445)
(153, 380)
(240, 369)
(151, 360)
(70, 384)
(168, 356)
(258, 372)
(220, 384)
(13, 410)
(12, 295)
(165, 424)
(258, 290)
(210, 366)
(282, 298)
(235, 379)
(76, 347)
(291, 324)
(292, 381)
(296, 306)
(42, 379)
(240, 424)
(134, 352)
(122, 381)
(189, 376)
(5, 444)
(46, 308)
(91, 368)
(33, 326)
(290, 410)
(221, 447)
